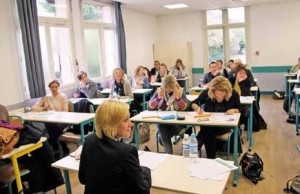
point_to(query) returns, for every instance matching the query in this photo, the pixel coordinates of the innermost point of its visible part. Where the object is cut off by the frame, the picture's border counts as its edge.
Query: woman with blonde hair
(106, 162)
(219, 97)
(120, 85)
(170, 97)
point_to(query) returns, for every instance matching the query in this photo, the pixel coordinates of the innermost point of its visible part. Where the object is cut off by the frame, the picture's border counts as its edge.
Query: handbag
(252, 166)
(8, 138)
(293, 185)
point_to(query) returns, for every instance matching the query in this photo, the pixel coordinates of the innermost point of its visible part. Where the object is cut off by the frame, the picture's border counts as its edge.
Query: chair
(226, 138)
(71, 137)
(99, 94)
(176, 138)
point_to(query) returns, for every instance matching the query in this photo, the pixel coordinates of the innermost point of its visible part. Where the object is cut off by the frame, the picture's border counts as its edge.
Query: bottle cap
(193, 135)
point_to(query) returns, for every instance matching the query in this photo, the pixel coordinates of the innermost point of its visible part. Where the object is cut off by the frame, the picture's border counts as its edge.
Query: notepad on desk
(151, 160)
(149, 114)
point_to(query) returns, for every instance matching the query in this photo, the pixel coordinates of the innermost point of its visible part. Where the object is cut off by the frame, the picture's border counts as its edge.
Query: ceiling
(156, 6)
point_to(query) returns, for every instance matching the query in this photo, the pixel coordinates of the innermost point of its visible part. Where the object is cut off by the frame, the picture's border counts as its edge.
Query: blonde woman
(170, 97)
(219, 97)
(140, 81)
(108, 164)
(120, 85)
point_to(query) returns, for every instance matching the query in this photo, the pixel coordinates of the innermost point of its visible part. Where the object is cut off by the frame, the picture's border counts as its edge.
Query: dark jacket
(214, 106)
(109, 166)
(245, 86)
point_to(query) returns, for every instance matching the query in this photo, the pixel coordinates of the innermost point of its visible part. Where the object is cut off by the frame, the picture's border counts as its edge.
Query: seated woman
(179, 70)
(120, 85)
(140, 81)
(86, 87)
(55, 101)
(170, 97)
(219, 97)
(163, 71)
(107, 164)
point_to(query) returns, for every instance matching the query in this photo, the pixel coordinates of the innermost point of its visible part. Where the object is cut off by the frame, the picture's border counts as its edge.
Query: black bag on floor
(252, 166)
(293, 185)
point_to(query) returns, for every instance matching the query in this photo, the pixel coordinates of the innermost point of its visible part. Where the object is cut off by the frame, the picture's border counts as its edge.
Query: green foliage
(47, 6)
(91, 12)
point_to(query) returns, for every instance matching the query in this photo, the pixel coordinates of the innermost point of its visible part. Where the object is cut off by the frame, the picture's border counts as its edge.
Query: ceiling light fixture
(176, 6)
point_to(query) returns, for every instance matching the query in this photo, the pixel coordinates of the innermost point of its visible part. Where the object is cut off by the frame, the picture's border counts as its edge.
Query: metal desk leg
(144, 101)
(297, 114)
(235, 155)
(136, 136)
(67, 182)
(17, 173)
(250, 129)
(289, 94)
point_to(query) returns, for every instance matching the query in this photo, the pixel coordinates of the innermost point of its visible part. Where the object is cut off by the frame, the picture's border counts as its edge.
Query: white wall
(275, 33)
(11, 85)
(141, 34)
(185, 27)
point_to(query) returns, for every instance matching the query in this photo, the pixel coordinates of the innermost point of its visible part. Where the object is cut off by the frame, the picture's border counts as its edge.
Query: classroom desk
(17, 153)
(161, 177)
(246, 100)
(287, 77)
(297, 94)
(190, 120)
(186, 83)
(143, 92)
(72, 118)
(197, 89)
(254, 89)
(290, 83)
(98, 101)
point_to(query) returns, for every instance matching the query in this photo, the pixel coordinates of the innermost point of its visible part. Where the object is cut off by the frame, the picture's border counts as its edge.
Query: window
(56, 41)
(99, 39)
(226, 34)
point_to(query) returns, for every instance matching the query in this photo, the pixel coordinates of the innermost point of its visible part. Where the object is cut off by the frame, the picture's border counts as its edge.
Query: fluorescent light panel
(176, 6)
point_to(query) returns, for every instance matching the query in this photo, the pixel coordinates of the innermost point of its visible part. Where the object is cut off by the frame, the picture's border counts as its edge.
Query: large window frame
(55, 22)
(105, 69)
(225, 26)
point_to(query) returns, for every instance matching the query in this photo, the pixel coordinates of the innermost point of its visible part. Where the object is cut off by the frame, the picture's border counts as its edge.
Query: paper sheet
(151, 160)
(210, 169)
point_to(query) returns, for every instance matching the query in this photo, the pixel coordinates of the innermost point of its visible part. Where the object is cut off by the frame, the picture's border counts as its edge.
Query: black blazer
(213, 106)
(245, 86)
(109, 166)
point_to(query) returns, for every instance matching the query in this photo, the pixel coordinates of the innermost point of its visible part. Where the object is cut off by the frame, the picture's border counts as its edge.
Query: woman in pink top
(54, 101)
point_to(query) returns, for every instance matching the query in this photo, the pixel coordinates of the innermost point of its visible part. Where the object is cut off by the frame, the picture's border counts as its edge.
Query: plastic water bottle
(193, 147)
(186, 146)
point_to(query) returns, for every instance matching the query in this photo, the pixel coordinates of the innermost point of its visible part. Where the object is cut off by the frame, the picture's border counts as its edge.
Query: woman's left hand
(229, 112)
(178, 93)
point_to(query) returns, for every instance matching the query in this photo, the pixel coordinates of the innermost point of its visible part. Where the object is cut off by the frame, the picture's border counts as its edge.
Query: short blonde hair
(169, 82)
(220, 83)
(108, 117)
(137, 70)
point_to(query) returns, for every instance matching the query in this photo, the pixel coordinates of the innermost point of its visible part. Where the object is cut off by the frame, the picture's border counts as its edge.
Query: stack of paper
(210, 169)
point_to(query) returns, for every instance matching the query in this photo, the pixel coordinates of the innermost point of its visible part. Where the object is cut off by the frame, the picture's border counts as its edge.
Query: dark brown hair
(80, 74)
(55, 81)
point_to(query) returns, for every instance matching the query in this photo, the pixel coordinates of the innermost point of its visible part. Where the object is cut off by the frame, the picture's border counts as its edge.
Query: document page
(210, 169)
(151, 160)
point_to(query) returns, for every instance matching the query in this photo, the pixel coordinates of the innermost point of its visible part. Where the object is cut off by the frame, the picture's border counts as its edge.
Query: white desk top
(293, 81)
(191, 98)
(22, 148)
(98, 101)
(156, 84)
(290, 74)
(247, 99)
(183, 79)
(254, 88)
(190, 120)
(197, 88)
(179, 180)
(134, 91)
(57, 117)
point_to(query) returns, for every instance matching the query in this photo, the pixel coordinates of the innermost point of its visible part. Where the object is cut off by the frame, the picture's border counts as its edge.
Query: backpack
(143, 131)
(293, 185)
(252, 166)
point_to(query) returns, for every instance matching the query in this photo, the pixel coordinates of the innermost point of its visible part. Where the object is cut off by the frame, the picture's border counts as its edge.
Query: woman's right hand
(199, 110)
(160, 93)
